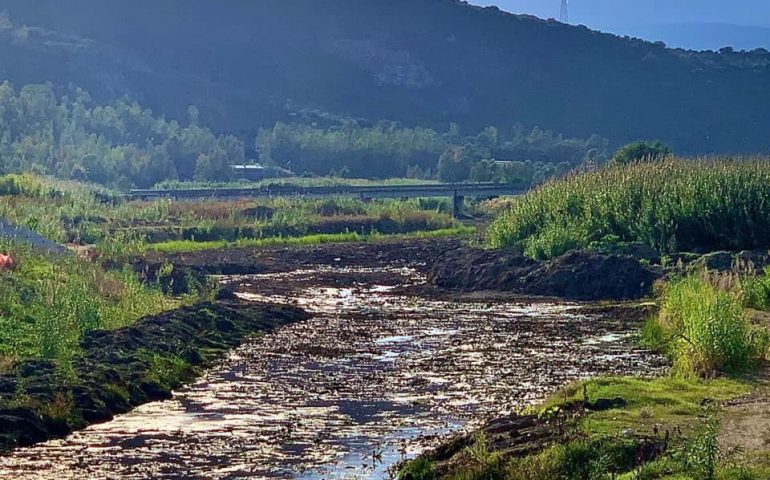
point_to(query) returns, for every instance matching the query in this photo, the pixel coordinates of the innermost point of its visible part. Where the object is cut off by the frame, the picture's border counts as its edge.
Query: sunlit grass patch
(665, 402)
(306, 240)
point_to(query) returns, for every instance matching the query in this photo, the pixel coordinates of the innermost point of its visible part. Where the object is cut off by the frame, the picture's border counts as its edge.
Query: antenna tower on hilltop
(564, 17)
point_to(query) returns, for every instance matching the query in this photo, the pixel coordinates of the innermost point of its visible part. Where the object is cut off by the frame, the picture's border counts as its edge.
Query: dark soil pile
(418, 253)
(449, 263)
(125, 368)
(577, 275)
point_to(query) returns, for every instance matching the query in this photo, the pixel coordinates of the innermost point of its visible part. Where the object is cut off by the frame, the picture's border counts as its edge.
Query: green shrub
(669, 205)
(640, 151)
(420, 469)
(705, 329)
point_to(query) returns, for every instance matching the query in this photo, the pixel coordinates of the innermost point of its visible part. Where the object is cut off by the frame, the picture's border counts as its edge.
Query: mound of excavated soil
(449, 262)
(118, 370)
(576, 275)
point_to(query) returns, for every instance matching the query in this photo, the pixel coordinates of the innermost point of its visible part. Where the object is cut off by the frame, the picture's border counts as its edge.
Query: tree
(213, 166)
(455, 164)
(640, 151)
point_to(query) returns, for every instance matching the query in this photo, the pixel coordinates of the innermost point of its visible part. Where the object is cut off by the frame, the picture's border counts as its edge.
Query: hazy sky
(599, 13)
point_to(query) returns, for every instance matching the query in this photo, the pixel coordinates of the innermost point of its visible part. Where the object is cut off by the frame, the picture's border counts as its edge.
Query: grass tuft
(704, 329)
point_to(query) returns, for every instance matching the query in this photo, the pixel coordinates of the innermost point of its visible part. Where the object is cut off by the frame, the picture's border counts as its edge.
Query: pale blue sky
(694, 24)
(633, 12)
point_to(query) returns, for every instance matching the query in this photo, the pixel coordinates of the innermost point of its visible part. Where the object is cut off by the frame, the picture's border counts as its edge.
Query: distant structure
(256, 172)
(564, 17)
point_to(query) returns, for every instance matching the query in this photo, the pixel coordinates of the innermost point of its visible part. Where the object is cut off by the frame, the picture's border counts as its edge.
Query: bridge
(457, 191)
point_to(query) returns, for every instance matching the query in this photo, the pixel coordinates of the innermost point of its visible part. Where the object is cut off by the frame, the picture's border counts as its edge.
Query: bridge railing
(368, 191)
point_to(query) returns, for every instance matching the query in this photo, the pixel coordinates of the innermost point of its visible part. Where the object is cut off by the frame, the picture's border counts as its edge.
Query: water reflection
(371, 379)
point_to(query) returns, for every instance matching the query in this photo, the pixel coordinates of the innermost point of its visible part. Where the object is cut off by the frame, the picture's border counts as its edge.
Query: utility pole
(564, 17)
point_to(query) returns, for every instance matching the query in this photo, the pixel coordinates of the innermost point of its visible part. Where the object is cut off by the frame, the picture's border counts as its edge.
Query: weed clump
(704, 329)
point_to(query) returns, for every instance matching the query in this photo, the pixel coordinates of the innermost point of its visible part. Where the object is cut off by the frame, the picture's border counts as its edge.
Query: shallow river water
(373, 378)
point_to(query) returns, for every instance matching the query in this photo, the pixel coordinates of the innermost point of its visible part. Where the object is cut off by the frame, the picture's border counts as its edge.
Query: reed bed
(670, 205)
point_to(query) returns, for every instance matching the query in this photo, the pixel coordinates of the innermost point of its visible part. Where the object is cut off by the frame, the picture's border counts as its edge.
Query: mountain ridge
(425, 62)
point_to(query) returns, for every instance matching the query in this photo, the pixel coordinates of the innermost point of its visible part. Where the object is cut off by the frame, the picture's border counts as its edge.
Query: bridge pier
(458, 201)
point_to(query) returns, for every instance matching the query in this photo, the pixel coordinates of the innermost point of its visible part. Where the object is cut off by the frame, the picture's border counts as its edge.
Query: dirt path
(745, 427)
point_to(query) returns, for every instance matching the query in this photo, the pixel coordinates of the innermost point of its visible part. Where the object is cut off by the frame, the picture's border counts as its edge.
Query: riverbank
(451, 263)
(377, 374)
(698, 230)
(121, 369)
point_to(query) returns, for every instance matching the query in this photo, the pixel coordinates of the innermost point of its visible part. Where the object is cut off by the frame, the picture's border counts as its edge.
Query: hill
(427, 62)
(703, 36)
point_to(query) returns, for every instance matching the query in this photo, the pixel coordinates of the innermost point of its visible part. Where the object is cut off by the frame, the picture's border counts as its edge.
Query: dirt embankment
(449, 263)
(575, 276)
(120, 370)
(418, 253)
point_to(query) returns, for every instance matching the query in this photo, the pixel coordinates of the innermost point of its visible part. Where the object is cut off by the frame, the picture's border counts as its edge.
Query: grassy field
(68, 212)
(307, 240)
(672, 205)
(47, 303)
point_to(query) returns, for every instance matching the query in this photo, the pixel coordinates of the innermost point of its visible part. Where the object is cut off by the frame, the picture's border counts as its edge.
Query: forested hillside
(123, 145)
(421, 63)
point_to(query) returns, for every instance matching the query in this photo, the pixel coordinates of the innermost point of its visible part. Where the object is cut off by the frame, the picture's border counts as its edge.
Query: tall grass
(755, 290)
(704, 329)
(48, 303)
(670, 205)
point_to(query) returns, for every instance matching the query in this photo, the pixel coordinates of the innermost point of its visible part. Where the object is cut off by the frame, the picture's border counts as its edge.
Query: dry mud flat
(377, 374)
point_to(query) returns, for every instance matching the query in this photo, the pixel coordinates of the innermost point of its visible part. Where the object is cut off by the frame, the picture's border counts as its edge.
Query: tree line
(519, 155)
(121, 144)
(124, 145)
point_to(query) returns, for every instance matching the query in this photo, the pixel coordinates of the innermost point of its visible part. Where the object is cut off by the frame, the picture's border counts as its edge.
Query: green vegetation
(705, 329)
(641, 151)
(124, 145)
(75, 213)
(519, 156)
(47, 303)
(755, 290)
(119, 144)
(307, 240)
(672, 205)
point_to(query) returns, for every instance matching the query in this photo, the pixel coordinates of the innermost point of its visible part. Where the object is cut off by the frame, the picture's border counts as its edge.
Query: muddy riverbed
(376, 375)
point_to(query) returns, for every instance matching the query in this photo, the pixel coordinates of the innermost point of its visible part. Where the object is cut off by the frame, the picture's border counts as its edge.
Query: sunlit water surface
(371, 379)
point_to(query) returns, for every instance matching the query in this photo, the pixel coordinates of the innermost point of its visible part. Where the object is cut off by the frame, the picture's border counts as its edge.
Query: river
(377, 375)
